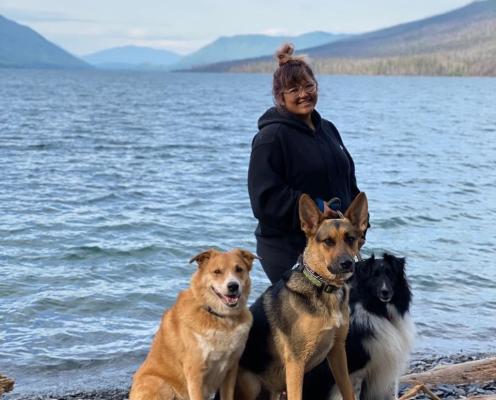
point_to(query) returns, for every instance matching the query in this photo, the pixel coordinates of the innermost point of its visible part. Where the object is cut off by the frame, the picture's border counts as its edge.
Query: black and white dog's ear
(364, 268)
(398, 263)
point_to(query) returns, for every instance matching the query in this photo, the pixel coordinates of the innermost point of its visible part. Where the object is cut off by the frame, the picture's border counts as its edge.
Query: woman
(295, 151)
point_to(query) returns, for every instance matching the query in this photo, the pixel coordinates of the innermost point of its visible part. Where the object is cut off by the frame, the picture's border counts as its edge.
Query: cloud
(275, 32)
(41, 16)
(152, 34)
(179, 46)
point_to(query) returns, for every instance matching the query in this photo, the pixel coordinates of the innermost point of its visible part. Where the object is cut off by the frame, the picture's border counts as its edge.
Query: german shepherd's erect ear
(310, 215)
(358, 212)
(247, 257)
(203, 257)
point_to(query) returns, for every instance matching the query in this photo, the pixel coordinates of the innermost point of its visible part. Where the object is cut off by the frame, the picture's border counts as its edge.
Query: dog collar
(211, 311)
(316, 280)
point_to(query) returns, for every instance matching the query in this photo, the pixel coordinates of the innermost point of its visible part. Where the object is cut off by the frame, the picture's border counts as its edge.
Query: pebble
(444, 391)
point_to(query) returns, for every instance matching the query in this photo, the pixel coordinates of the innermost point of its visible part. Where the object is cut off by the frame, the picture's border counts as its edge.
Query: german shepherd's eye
(217, 271)
(238, 269)
(350, 240)
(329, 242)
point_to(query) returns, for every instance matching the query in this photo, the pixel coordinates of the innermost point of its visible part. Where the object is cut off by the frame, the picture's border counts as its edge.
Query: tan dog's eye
(217, 272)
(238, 269)
(329, 242)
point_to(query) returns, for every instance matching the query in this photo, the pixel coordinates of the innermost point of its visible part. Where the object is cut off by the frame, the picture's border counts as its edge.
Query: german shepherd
(303, 318)
(201, 338)
(381, 335)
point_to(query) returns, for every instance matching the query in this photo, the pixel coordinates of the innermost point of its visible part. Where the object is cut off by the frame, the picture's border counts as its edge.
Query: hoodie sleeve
(353, 182)
(273, 201)
(354, 186)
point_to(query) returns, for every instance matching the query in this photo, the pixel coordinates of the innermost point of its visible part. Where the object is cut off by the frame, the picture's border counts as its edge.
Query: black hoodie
(288, 159)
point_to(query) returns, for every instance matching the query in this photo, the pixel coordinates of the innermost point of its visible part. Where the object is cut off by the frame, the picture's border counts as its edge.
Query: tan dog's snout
(233, 287)
(228, 291)
(230, 286)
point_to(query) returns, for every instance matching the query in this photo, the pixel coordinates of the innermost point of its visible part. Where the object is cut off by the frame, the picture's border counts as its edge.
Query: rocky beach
(450, 391)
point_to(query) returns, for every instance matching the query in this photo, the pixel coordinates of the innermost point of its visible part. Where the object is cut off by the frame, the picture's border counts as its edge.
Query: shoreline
(444, 391)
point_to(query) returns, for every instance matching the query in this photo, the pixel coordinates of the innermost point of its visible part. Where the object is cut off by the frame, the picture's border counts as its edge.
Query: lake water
(111, 181)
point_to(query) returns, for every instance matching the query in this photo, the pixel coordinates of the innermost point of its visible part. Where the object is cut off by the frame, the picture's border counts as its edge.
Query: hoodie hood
(276, 116)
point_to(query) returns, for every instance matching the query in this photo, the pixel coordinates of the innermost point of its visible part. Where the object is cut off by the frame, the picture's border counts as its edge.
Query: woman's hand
(329, 212)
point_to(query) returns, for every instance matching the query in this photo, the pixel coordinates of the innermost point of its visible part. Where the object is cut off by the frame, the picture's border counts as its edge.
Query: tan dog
(201, 338)
(303, 319)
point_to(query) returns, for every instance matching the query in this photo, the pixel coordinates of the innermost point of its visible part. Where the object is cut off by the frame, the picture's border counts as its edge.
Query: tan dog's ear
(203, 257)
(247, 257)
(358, 212)
(309, 215)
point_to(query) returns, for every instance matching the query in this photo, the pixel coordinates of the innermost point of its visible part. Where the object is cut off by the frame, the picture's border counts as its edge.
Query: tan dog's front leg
(227, 387)
(294, 379)
(339, 366)
(194, 377)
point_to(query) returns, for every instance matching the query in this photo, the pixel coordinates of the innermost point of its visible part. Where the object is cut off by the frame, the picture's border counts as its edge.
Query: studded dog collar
(315, 279)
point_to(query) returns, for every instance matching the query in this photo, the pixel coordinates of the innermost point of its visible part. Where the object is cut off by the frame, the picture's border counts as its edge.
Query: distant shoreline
(450, 64)
(378, 70)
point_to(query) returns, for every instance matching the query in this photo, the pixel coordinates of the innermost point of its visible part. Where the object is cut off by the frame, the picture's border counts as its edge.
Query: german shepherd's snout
(344, 265)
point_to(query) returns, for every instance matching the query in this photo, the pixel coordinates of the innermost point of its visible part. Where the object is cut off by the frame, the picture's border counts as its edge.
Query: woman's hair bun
(285, 53)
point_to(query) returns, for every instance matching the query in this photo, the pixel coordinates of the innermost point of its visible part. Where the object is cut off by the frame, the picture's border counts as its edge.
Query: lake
(111, 181)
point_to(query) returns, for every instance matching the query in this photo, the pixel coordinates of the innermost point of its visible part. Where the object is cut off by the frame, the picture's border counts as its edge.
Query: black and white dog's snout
(233, 287)
(385, 292)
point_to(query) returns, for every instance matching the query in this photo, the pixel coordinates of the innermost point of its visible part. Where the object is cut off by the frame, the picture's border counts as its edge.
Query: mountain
(460, 42)
(22, 47)
(132, 57)
(248, 46)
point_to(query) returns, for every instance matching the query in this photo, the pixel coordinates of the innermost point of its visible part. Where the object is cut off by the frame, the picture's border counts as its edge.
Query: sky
(183, 26)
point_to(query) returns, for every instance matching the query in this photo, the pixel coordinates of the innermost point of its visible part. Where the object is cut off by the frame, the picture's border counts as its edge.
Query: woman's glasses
(294, 91)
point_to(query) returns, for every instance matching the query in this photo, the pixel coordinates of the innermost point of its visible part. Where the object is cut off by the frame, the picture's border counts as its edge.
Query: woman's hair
(292, 70)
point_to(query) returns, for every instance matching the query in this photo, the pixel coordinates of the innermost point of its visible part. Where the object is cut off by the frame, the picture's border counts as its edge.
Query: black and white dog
(381, 333)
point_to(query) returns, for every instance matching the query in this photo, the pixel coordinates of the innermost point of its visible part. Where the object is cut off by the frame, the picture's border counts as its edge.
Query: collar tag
(329, 289)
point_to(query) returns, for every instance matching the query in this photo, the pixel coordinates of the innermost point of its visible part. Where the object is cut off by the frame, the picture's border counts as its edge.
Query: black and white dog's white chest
(382, 349)
(390, 338)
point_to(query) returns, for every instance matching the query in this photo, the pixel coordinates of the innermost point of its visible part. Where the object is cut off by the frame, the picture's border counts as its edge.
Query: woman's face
(301, 99)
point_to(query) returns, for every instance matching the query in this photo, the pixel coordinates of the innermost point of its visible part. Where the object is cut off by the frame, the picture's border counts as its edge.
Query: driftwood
(480, 371)
(411, 393)
(6, 384)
